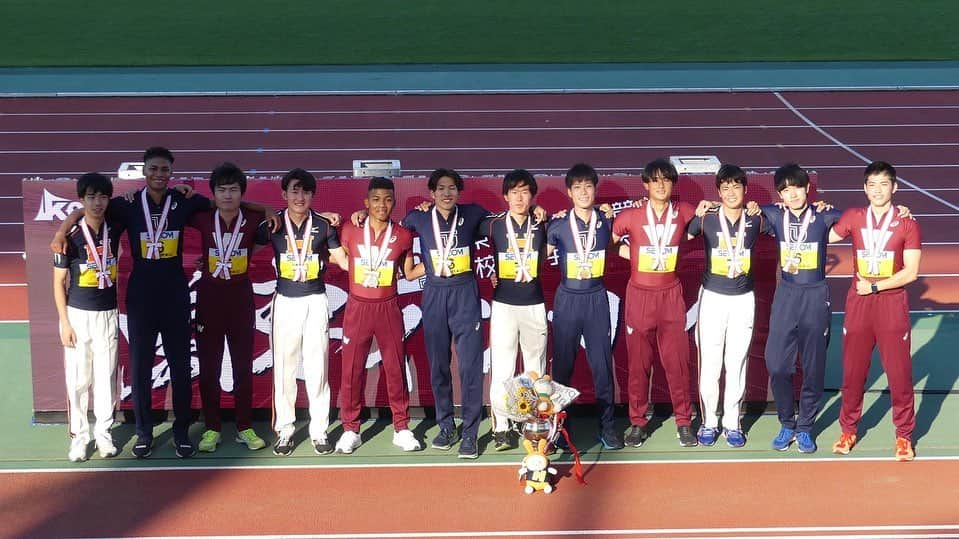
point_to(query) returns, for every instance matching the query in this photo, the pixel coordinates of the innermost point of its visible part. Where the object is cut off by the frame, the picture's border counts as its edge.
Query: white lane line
(12, 285)
(903, 190)
(849, 275)
(862, 157)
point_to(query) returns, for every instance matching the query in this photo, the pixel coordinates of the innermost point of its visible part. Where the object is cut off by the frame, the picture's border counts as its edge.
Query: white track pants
(514, 327)
(92, 363)
(301, 338)
(723, 334)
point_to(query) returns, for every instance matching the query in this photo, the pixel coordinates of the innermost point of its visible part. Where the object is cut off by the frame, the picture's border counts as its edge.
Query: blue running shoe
(734, 438)
(805, 443)
(707, 436)
(786, 437)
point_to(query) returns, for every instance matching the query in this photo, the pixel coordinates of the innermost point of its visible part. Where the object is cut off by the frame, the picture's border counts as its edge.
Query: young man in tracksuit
(801, 316)
(655, 309)
(887, 249)
(224, 304)
(581, 306)
(451, 306)
(85, 293)
(726, 305)
(518, 316)
(301, 313)
(374, 254)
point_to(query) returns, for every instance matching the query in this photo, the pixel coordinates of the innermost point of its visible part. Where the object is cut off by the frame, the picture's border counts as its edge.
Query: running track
(832, 133)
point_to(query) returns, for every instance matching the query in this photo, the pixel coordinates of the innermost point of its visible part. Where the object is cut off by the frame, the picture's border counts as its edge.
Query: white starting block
(695, 164)
(130, 171)
(369, 168)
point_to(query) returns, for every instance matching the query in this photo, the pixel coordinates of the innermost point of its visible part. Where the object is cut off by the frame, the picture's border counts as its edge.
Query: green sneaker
(209, 441)
(252, 441)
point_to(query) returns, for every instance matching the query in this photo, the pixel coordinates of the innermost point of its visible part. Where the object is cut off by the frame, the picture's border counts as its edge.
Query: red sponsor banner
(47, 201)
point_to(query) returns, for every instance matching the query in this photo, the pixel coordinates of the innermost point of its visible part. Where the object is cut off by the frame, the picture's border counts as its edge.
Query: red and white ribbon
(876, 243)
(659, 242)
(223, 264)
(523, 274)
(583, 249)
(103, 272)
(377, 258)
(443, 248)
(153, 236)
(792, 247)
(299, 255)
(733, 258)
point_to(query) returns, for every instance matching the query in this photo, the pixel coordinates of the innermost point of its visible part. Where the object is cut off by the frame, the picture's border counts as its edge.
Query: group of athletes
(375, 249)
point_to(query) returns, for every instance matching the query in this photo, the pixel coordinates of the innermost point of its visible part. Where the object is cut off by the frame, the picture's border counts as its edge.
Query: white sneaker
(405, 440)
(105, 446)
(78, 449)
(348, 442)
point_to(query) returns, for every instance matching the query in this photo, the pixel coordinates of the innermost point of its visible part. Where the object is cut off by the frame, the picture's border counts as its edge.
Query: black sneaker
(143, 447)
(184, 449)
(322, 446)
(637, 436)
(686, 436)
(611, 439)
(502, 441)
(283, 446)
(468, 448)
(445, 440)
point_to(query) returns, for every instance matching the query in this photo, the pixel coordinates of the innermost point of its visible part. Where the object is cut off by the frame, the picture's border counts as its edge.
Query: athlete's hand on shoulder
(358, 217)
(332, 217)
(131, 195)
(68, 337)
(752, 208)
(822, 205)
(494, 280)
(639, 203)
(905, 213)
(273, 219)
(59, 243)
(863, 286)
(704, 206)
(185, 189)
(624, 251)
(425, 206)
(561, 214)
(539, 214)
(607, 210)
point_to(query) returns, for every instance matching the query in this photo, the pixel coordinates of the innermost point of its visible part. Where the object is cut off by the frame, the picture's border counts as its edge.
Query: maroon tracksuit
(373, 311)
(881, 319)
(224, 307)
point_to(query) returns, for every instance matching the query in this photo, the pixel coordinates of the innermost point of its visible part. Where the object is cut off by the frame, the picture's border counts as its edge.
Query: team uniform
(655, 309)
(92, 312)
(581, 305)
(372, 310)
(224, 309)
(301, 318)
(451, 309)
(518, 313)
(879, 319)
(158, 300)
(801, 315)
(726, 310)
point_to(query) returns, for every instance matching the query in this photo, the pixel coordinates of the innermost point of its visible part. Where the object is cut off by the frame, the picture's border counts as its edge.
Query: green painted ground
(33, 446)
(341, 32)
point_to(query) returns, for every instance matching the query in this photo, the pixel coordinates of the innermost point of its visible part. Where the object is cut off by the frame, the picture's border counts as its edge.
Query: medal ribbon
(299, 273)
(581, 248)
(659, 242)
(444, 248)
(103, 273)
(153, 236)
(522, 255)
(733, 258)
(875, 243)
(223, 265)
(376, 263)
(792, 248)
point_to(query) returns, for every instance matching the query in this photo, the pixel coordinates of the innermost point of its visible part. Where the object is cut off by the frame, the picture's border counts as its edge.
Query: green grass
(254, 32)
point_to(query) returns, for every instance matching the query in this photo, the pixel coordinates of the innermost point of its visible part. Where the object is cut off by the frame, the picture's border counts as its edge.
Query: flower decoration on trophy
(536, 404)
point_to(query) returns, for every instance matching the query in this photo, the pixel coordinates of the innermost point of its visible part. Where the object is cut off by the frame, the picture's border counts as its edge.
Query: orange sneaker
(844, 444)
(904, 452)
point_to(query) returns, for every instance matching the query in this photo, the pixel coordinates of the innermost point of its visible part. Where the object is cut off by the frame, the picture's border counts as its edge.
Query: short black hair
(581, 172)
(519, 178)
(307, 181)
(880, 167)
(227, 173)
(662, 167)
(449, 173)
(790, 175)
(95, 183)
(157, 151)
(379, 182)
(730, 174)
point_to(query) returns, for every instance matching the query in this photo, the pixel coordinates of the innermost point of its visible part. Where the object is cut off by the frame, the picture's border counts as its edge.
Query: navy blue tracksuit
(801, 316)
(451, 311)
(581, 308)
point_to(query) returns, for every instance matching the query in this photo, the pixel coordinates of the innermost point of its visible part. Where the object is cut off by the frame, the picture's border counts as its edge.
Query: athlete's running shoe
(106, 446)
(78, 449)
(468, 449)
(784, 439)
(501, 441)
(611, 439)
(805, 443)
(143, 447)
(707, 435)
(208, 441)
(250, 439)
(844, 444)
(184, 448)
(686, 437)
(283, 446)
(636, 437)
(322, 446)
(904, 451)
(445, 439)
(734, 438)
(405, 440)
(348, 442)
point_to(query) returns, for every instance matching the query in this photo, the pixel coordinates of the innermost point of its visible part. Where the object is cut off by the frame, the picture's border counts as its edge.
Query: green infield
(249, 32)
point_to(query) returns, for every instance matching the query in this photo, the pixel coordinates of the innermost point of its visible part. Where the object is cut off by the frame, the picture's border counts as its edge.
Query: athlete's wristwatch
(875, 288)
